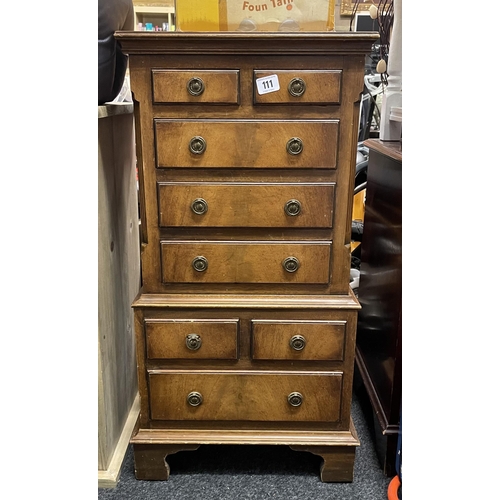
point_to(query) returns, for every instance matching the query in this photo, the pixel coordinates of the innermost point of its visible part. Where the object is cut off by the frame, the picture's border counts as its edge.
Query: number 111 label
(267, 84)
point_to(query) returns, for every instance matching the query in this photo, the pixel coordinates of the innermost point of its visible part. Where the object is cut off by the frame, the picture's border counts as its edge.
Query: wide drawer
(191, 339)
(245, 205)
(298, 87)
(257, 396)
(298, 340)
(245, 262)
(246, 143)
(196, 86)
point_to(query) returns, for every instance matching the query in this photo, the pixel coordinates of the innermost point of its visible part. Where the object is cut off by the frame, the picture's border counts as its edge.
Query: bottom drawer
(256, 396)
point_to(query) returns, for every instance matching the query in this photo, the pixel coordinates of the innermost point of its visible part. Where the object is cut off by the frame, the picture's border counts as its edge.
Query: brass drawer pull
(294, 146)
(295, 399)
(291, 264)
(193, 341)
(293, 207)
(199, 206)
(195, 86)
(200, 263)
(297, 342)
(197, 145)
(296, 87)
(195, 398)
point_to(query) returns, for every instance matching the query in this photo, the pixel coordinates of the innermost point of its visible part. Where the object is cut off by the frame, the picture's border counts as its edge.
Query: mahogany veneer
(246, 324)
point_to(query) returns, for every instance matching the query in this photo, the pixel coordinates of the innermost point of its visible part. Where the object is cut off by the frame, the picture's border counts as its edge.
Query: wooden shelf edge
(372, 394)
(217, 301)
(246, 437)
(115, 109)
(108, 478)
(392, 149)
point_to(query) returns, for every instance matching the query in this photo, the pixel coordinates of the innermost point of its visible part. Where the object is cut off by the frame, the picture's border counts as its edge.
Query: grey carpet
(256, 473)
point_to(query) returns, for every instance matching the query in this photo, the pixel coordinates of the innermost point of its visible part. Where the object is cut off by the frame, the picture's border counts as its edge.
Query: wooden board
(118, 276)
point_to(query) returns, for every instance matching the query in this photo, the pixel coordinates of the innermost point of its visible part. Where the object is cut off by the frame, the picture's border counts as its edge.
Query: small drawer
(246, 143)
(191, 339)
(246, 396)
(300, 87)
(196, 86)
(245, 262)
(298, 340)
(245, 205)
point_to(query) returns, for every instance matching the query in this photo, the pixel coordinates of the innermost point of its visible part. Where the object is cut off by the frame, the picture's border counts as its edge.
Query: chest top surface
(137, 42)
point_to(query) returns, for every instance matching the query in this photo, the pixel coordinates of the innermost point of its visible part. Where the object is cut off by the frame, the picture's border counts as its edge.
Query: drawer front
(199, 87)
(192, 339)
(246, 143)
(301, 87)
(245, 262)
(298, 340)
(256, 396)
(245, 205)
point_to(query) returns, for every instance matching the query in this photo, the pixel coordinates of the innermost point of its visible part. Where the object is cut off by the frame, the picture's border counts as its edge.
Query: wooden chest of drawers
(246, 324)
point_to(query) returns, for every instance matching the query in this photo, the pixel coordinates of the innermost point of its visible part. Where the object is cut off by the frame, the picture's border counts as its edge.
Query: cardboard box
(254, 15)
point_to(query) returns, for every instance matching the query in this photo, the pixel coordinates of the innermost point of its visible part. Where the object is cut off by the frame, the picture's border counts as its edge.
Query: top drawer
(198, 87)
(298, 87)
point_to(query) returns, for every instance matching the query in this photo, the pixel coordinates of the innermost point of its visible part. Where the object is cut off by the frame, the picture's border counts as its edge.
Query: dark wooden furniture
(246, 323)
(378, 343)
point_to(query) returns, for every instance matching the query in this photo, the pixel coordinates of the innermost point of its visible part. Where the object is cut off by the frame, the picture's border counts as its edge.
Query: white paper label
(267, 84)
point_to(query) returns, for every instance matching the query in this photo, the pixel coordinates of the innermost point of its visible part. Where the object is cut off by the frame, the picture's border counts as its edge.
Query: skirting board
(108, 478)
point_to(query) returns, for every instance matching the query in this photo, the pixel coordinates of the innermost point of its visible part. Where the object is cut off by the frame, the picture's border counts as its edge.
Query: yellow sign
(255, 15)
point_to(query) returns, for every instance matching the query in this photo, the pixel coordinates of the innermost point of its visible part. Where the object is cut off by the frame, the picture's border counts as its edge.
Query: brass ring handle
(200, 263)
(193, 341)
(197, 145)
(290, 264)
(294, 146)
(196, 86)
(293, 207)
(199, 206)
(194, 398)
(297, 342)
(296, 87)
(295, 399)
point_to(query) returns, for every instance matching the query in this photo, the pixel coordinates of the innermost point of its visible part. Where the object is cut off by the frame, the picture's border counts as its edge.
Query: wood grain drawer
(235, 395)
(246, 143)
(298, 340)
(196, 86)
(301, 87)
(245, 262)
(245, 205)
(191, 339)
